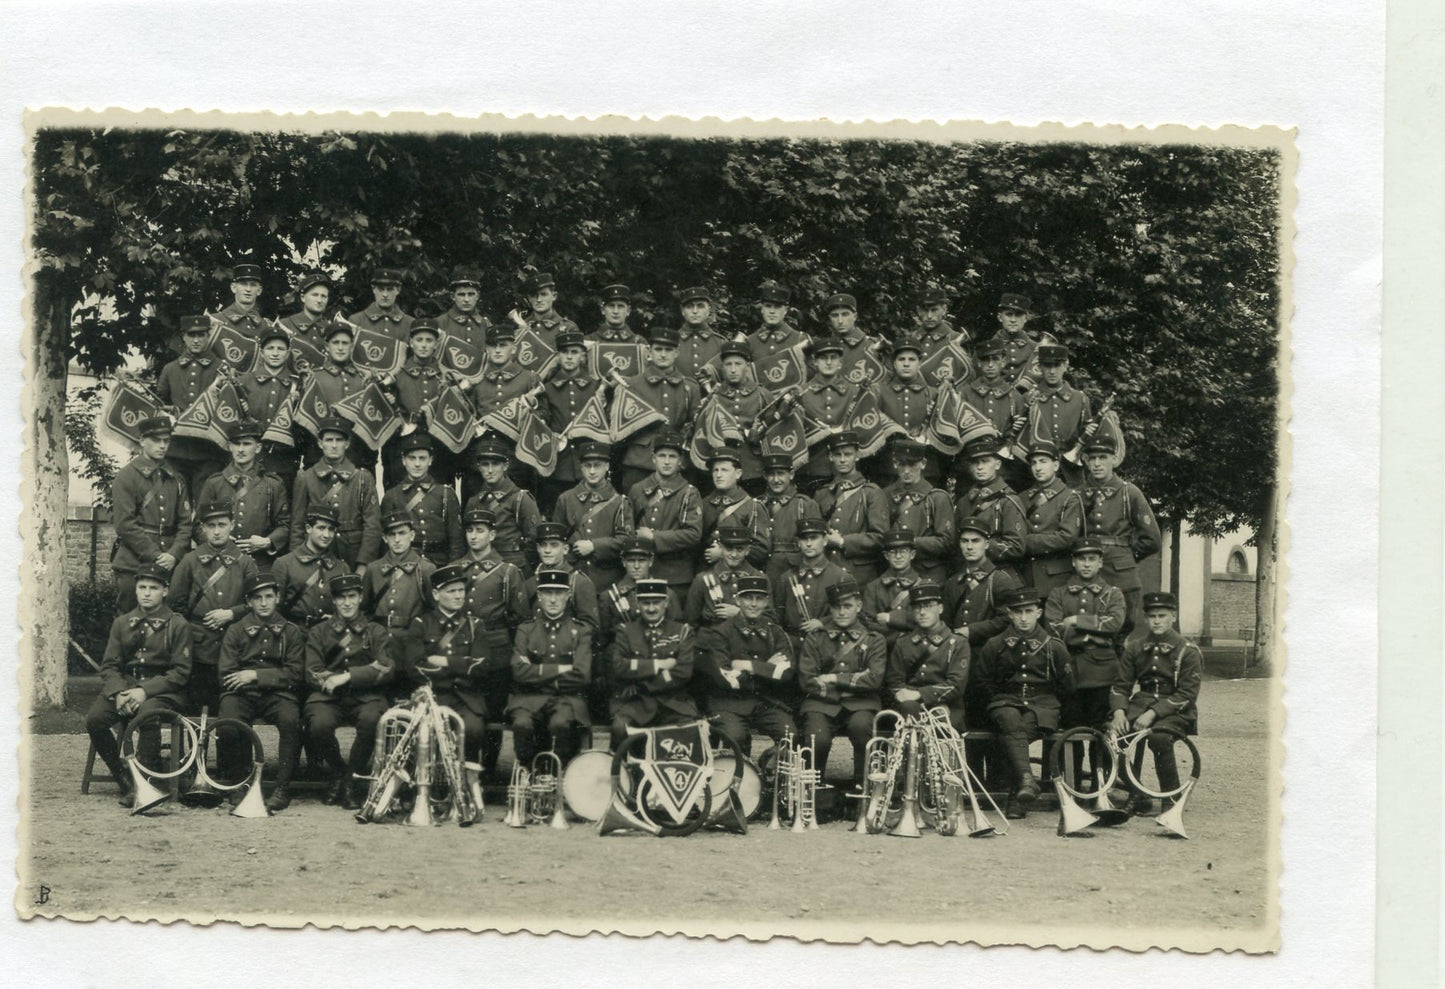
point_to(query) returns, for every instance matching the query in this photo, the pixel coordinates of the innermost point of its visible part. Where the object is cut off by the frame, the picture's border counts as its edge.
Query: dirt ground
(314, 863)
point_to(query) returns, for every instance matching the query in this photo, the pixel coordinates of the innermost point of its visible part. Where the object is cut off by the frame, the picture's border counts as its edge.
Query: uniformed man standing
(598, 518)
(339, 378)
(349, 664)
(996, 399)
(842, 313)
(551, 674)
(668, 510)
(1060, 411)
(698, 343)
(929, 665)
(972, 595)
(503, 380)
(908, 400)
(934, 330)
(308, 326)
(463, 320)
(568, 388)
(617, 601)
(667, 391)
(420, 379)
(263, 658)
(918, 506)
(1087, 614)
(396, 585)
(258, 498)
(209, 591)
(303, 576)
(1026, 671)
(1119, 515)
(1014, 313)
(886, 599)
(349, 492)
(729, 505)
(989, 497)
(841, 674)
(616, 307)
(800, 598)
(264, 390)
(180, 383)
(829, 399)
(515, 510)
(776, 333)
(786, 507)
(1158, 687)
(743, 399)
(650, 664)
(552, 554)
(146, 667)
(242, 312)
(854, 509)
(542, 318)
(712, 598)
(748, 665)
(384, 315)
(1055, 519)
(432, 506)
(151, 509)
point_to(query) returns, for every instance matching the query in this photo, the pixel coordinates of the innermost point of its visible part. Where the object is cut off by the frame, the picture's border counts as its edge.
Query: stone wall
(81, 559)
(1231, 606)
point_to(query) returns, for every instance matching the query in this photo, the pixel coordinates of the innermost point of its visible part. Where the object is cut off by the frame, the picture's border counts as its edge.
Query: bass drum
(587, 784)
(750, 787)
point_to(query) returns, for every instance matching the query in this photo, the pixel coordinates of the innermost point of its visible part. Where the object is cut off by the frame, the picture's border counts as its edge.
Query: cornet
(795, 787)
(544, 800)
(519, 792)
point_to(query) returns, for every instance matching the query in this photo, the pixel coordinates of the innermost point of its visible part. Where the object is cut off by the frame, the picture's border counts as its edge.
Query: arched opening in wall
(1238, 562)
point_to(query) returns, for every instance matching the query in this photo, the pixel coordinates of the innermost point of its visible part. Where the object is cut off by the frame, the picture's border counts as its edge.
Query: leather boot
(279, 799)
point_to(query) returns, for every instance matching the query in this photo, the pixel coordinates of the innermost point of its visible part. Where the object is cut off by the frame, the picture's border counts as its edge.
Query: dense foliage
(1158, 265)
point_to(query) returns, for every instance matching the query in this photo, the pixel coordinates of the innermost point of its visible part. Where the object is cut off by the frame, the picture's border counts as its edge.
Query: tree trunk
(1175, 538)
(1266, 603)
(44, 589)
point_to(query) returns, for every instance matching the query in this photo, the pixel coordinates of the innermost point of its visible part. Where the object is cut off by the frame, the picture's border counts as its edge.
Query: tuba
(462, 780)
(882, 763)
(396, 737)
(544, 792)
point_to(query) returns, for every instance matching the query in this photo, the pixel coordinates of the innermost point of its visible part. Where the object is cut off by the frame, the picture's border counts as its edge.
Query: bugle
(1132, 756)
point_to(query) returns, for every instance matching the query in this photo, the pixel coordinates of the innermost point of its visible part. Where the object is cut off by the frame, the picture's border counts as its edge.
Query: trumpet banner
(373, 418)
(873, 425)
(784, 369)
(677, 761)
(125, 407)
(787, 436)
(536, 444)
(535, 353)
(715, 425)
(948, 365)
(866, 367)
(279, 429)
(590, 421)
(212, 414)
(232, 346)
(630, 413)
(311, 408)
(377, 351)
(463, 356)
(305, 354)
(606, 356)
(449, 419)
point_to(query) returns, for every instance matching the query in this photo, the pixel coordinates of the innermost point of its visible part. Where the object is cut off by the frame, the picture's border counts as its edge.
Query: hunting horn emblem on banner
(234, 354)
(461, 360)
(225, 413)
(620, 362)
(131, 417)
(945, 369)
(452, 415)
(786, 443)
(777, 373)
(525, 354)
(373, 351)
(868, 420)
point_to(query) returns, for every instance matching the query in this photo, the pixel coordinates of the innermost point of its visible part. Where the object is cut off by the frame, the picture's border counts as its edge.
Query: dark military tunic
(857, 655)
(149, 651)
(496, 597)
(1061, 414)
(802, 594)
(717, 585)
(744, 401)
(889, 595)
(351, 494)
(563, 396)
(468, 326)
(763, 695)
(151, 512)
(969, 598)
(767, 341)
(856, 508)
(996, 502)
(418, 382)
(676, 397)
(602, 516)
(397, 589)
(785, 511)
(1055, 517)
(261, 506)
(640, 691)
(303, 581)
(827, 402)
(998, 401)
(583, 603)
(1168, 670)
(248, 321)
(1100, 610)
(517, 519)
(737, 508)
(274, 648)
(1029, 672)
(393, 322)
(927, 512)
(436, 513)
(1119, 515)
(934, 663)
(455, 637)
(361, 647)
(672, 508)
(205, 580)
(499, 385)
(308, 343)
(549, 326)
(543, 645)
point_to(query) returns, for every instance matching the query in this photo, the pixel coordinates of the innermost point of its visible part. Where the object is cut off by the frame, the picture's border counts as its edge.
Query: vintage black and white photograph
(832, 532)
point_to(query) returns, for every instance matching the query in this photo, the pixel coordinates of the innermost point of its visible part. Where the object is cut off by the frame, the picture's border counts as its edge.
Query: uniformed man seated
(747, 663)
(551, 672)
(1025, 670)
(349, 663)
(262, 659)
(841, 675)
(146, 667)
(650, 662)
(929, 665)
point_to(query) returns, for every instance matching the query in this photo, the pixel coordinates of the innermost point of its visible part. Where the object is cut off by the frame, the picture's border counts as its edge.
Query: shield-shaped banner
(449, 418)
(232, 346)
(872, 425)
(371, 413)
(505, 419)
(199, 420)
(377, 351)
(305, 354)
(279, 431)
(534, 353)
(604, 356)
(463, 356)
(631, 413)
(678, 763)
(949, 363)
(125, 407)
(714, 425)
(788, 436)
(536, 445)
(865, 366)
(311, 408)
(225, 409)
(783, 369)
(591, 421)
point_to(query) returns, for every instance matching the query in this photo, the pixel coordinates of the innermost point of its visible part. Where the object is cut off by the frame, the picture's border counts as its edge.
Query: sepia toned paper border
(1266, 938)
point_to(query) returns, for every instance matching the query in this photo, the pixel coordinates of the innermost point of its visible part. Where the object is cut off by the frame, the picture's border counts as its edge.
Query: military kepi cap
(395, 520)
(977, 524)
(651, 588)
(730, 451)
(273, 331)
(925, 594)
(333, 424)
(1160, 599)
(842, 438)
(195, 324)
(982, 446)
(992, 347)
(551, 530)
(898, 539)
(1087, 544)
(215, 510)
(311, 280)
(843, 590)
(464, 277)
(424, 326)
(734, 349)
(593, 450)
(1019, 597)
(840, 301)
(155, 426)
(499, 333)
(554, 580)
(777, 461)
(491, 450)
(735, 536)
(753, 584)
(445, 576)
(638, 546)
(1012, 302)
(668, 440)
(322, 513)
(771, 291)
(479, 516)
(153, 571)
(810, 527)
(694, 294)
(335, 328)
(245, 272)
(416, 440)
(1053, 353)
(1043, 448)
(538, 281)
(664, 336)
(344, 583)
(243, 429)
(570, 338)
(616, 293)
(386, 276)
(260, 582)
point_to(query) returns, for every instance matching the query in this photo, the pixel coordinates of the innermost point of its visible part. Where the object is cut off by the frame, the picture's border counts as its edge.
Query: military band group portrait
(739, 547)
